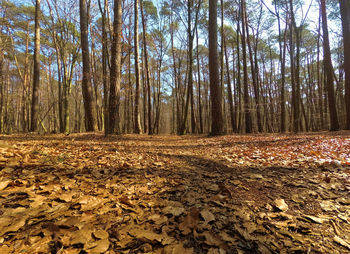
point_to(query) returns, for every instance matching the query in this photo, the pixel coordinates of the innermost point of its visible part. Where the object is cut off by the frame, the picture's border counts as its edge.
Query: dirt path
(168, 194)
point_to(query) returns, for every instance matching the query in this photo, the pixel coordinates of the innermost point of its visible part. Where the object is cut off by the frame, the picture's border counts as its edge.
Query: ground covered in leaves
(169, 194)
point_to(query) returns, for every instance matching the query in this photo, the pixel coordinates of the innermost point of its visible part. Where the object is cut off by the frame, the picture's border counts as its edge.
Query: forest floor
(85, 193)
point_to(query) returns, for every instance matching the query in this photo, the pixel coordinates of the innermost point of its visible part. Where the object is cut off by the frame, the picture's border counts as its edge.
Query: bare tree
(345, 18)
(115, 75)
(137, 125)
(329, 70)
(215, 90)
(90, 116)
(36, 74)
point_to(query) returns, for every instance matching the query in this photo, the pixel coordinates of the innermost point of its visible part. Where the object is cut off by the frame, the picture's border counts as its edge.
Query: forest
(174, 126)
(130, 67)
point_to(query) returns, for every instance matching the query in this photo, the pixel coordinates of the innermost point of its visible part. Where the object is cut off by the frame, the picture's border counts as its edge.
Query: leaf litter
(85, 193)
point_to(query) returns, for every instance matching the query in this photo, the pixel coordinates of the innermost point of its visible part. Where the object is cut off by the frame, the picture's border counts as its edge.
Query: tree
(36, 74)
(137, 125)
(215, 90)
(90, 115)
(248, 119)
(115, 75)
(345, 18)
(150, 129)
(328, 70)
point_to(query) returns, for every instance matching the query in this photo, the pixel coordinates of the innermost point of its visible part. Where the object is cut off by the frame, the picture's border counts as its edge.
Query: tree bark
(248, 119)
(36, 73)
(137, 124)
(215, 90)
(329, 70)
(115, 74)
(199, 88)
(345, 17)
(229, 89)
(150, 129)
(104, 63)
(89, 104)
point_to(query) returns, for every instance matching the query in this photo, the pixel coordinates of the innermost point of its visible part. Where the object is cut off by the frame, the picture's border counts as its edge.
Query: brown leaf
(4, 184)
(207, 215)
(101, 246)
(101, 234)
(175, 211)
(340, 241)
(177, 249)
(281, 205)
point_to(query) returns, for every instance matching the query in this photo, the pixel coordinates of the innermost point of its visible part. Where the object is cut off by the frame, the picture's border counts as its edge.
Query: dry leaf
(207, 215)
(101, 247)
(281, 205)
(175, 211)
(4, 184)
(340, 241)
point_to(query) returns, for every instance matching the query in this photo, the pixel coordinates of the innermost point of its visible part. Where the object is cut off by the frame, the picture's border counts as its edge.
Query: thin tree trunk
(345, 16)
(104, 63)
(229, 90)
(248, 120)
(137, 124)
(36, 73)
(254, 72)
(200, 111)
(150, 130)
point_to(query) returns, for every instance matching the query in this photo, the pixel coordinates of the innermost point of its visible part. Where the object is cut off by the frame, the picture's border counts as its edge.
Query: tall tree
(248, 119)
(345, 18)
(104, 61)
(282, 37)
(215, 89)
(146, 67)
(190, 37)
(328, 70)
(89, 103)
(137, 125)
(36, 74)
(115, 75)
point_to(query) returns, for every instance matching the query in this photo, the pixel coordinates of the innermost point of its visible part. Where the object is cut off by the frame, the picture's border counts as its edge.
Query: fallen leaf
(175, 211)
(340, 241)
(101, 246)
(207, 215)
(177, 249)
(4, 184)
(281, 205)
(100, 234)
(314, 219)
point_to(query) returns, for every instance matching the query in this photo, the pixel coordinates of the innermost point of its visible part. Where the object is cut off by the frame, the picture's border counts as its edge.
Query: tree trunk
(89, 103)
(254, 72)
(104, 64)
(345, 17)
(199, 88)
(282, 59)
(329, 70)
(215, 90)
(248, 119)
(36, 73)
(150, 130)
(137, 124)
(115, 74)
(319, 81)
(229, 89)
(189, 95)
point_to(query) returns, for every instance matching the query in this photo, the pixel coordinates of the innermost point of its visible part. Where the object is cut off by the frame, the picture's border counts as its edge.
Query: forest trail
(85, 193)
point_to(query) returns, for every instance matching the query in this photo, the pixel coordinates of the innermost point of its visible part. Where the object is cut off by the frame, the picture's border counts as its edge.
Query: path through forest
(84, 193)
